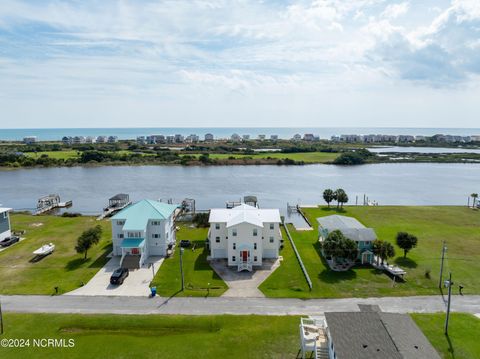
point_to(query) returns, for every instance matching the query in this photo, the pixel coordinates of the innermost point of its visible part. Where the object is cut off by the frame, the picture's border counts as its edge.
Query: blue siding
(4, 223)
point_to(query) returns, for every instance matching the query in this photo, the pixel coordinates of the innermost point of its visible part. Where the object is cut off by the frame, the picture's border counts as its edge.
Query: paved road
(221, 305)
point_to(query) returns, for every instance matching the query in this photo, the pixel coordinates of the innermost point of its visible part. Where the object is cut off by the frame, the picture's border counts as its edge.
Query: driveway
(244, 284)
(136, 284)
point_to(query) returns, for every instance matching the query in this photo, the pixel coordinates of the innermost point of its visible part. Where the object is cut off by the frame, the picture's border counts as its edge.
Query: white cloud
(393, 11)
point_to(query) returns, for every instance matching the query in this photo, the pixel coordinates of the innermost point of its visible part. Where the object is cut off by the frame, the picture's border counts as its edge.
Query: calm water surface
(90, 188)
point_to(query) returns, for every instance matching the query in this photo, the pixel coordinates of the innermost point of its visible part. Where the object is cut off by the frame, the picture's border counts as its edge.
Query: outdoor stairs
(321, 353)
(245, 266)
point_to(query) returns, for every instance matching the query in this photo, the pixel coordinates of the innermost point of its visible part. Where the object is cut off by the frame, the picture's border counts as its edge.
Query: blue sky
(234, 63)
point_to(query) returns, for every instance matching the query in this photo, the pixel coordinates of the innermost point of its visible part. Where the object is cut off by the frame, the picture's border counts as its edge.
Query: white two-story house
(143, 229)
(244, 235)
(5, 223)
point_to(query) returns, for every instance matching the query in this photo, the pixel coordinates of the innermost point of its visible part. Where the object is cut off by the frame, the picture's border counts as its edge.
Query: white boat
(45, 249)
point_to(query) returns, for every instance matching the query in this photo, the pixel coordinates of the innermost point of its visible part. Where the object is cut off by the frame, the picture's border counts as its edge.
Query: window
(254, 258)
(167, 235)
(272, 226)
(367, 243)
(271, 239)
(155, 223)
(5, 214)
(255, 246)
(120, 223)
(234, 232)
(234, 259)
(120, 235)
(234, 246)
(255, 232)
(217, 225)
(217, 239)
(155, 235)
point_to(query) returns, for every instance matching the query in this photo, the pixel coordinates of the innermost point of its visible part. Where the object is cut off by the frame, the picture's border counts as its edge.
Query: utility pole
(450, 284)
(441, 267)
(181, 267)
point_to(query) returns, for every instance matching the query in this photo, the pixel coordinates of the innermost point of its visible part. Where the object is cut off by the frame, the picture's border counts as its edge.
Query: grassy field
(64, 155)
(307, 157)
(155, 336)
(462, 341)
(458, 226)
(64, 268)
(197, 271)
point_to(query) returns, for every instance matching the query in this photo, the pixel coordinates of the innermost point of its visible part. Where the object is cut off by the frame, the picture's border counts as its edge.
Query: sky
(239, 63)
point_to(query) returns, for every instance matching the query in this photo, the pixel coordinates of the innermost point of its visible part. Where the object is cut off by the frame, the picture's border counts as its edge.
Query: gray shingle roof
(372, 335)
(350, 227)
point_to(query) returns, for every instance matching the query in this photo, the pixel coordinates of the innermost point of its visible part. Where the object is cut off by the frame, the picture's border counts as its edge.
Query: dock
(50, 202)
(115, 204)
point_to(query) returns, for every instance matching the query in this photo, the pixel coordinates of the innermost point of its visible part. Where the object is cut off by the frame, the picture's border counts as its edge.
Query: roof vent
(415, 346)
(364, 346)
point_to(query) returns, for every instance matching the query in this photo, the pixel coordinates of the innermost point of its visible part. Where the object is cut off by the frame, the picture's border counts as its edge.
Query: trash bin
(154, 291)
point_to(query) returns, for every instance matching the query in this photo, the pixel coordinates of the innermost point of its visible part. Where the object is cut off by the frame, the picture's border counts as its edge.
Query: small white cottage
(5, 223)
(143, 229)
(244, 235)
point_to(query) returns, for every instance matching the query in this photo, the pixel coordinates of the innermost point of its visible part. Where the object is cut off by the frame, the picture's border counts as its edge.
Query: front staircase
(245, 266)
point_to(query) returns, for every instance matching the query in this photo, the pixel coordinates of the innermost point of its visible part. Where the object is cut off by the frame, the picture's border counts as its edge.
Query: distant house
(102, 139)
(209, 137)
(112, 139)
(308, 137)
(90, 139)
(244, 235)
(5, 223)
(352, 229)
(67, 140)
(29, 140)
(236, 137)
(143, 229)
(297, 137)
(368, 334)
(261, 137)
(79, 139)
(274, 137)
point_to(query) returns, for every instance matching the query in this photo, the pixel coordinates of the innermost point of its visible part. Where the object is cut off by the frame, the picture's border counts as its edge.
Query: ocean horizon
(125, 133)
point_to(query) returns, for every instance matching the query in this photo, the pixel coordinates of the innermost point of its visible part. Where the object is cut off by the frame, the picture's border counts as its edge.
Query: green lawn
(458, 226)
(307, 157)
(64, 155)
(154, 336)
(197, 271)
(64, 268)
(462, 341)
(288, 279)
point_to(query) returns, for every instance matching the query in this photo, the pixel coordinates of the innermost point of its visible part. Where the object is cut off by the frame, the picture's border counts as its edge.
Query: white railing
(245, 266)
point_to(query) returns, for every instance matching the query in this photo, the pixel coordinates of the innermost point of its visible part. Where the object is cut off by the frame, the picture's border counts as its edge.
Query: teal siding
(4, 223)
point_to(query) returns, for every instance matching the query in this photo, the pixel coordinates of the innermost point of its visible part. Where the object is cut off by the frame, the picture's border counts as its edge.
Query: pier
(50, 202)
(115, 204)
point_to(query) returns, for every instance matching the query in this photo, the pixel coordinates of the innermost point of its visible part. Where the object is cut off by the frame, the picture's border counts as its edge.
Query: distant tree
(201, 219)
(383, 250)
(337, 245)
(328, 196)
(87, 239)
(341, 197)
(204, 158)
(406, 241)
(474, 196)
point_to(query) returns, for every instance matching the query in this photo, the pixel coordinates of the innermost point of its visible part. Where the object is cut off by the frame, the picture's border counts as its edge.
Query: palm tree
(383, 250)
(341, 197)
(474, 196)
(328, 196)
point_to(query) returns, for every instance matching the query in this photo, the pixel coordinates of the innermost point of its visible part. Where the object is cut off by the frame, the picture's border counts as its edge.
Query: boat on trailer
(44, 250)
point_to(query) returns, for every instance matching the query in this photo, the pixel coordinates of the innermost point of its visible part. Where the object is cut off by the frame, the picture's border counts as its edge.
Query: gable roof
(244, 214)
(373, 335)
(349, 226)
(137, 215)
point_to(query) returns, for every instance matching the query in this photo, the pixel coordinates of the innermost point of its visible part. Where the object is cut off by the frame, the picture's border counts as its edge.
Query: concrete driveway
(244, 284)
(136, 284)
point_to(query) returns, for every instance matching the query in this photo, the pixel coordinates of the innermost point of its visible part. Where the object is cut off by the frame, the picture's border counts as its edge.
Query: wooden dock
(115, 204)
(49, 203)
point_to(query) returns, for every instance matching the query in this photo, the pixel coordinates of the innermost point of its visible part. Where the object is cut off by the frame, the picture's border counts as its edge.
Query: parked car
(9, 241)
(119, 276)
(185, 243)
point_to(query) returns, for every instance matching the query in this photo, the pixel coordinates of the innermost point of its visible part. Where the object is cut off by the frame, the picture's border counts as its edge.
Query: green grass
(154, 336)
(462, 341)
(288, 279)
(64, 268)
(307, 157)
(458, 226)
(197, 271)
(64, 155)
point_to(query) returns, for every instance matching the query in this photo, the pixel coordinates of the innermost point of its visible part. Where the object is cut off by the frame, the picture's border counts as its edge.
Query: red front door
(244, 256)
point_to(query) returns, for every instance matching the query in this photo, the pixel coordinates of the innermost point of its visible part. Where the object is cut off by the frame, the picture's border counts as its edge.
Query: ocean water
(52, 134)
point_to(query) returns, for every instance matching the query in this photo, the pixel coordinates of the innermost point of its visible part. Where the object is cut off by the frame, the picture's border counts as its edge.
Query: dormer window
(255, 232)
(234, 232)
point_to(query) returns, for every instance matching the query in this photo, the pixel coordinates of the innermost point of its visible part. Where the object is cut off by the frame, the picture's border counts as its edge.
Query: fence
(302, 266)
